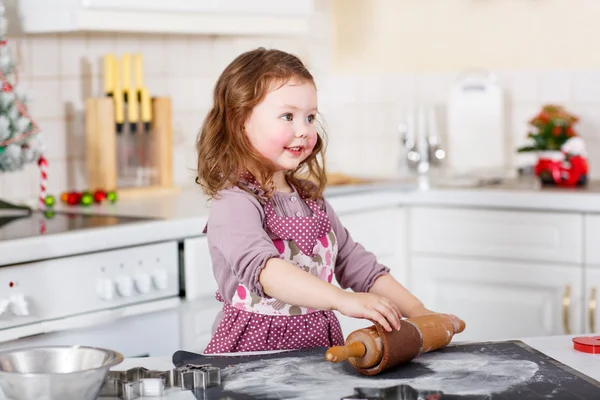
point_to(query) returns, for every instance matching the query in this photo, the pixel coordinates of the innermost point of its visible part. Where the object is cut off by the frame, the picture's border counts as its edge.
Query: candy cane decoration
(43, 164)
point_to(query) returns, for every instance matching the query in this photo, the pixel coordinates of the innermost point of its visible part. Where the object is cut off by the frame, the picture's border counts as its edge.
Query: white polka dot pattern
(304, 231)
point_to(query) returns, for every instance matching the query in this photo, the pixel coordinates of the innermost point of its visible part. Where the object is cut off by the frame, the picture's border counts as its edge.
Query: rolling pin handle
(342, 353)
(461, 326)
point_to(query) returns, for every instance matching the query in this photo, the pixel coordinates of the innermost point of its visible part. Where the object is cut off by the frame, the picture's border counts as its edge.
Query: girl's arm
(292, 285)
(409, 306)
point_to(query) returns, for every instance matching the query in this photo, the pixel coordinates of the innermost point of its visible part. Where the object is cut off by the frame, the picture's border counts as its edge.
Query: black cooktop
(20, 224)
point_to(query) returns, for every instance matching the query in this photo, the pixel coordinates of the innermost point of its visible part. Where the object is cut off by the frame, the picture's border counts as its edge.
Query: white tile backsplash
(586, 86)
(45, 101)
(73, 59)
(555, 86)
(55, 139)
(45, 56)
(520, 86)
(361, 112)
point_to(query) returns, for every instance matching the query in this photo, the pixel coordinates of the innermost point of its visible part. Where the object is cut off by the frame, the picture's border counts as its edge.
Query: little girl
(275, 242)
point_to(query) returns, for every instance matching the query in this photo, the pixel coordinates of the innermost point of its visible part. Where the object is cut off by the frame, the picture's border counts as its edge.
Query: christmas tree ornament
(73, 198)
(112, 196)
(99, 196)
(64, 197)
(49, 201)
(86, 199)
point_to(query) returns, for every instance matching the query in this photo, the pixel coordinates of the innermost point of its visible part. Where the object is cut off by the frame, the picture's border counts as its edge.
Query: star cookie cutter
(400, 392)
(193, 376)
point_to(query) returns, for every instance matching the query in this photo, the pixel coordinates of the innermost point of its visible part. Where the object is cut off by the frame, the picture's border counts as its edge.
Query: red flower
(557, 130)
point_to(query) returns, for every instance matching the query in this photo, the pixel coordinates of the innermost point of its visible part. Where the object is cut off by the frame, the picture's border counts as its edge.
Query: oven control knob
(105, 289)
(3, 306)
(125, 286)
(143, 283)
(19, 305)
(160, 279)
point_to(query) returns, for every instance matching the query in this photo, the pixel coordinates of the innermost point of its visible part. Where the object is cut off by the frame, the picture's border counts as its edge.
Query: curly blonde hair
(225, 154)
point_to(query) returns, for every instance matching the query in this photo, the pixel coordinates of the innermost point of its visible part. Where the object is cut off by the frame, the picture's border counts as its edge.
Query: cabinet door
(199, 278)
(592, 294)
(501, 300)
(382, 232)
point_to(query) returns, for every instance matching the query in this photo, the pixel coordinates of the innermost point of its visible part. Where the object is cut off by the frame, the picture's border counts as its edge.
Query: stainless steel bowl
(55, 372)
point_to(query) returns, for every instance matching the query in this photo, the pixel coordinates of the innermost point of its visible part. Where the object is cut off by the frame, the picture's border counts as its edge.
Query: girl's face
(282, 127)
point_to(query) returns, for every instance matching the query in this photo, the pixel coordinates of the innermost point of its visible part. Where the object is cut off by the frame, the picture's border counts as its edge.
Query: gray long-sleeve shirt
(240, 243)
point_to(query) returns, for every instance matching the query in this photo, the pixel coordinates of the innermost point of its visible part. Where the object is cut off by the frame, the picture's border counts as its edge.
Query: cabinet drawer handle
(566, 304)
(593, 310)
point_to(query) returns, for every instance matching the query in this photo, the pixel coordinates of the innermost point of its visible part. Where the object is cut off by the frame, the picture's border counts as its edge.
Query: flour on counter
(314, 378)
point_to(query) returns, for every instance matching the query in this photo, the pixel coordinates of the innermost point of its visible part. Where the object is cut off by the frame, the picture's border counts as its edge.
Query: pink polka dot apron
(254, 323)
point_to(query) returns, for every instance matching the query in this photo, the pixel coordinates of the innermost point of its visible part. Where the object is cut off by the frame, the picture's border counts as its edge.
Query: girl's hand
(371, 307)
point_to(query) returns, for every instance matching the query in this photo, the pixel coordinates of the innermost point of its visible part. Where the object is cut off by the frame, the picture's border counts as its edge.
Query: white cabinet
(502, 299)
(209, 17)
(198, 273)
(544, 236)
(382, 232)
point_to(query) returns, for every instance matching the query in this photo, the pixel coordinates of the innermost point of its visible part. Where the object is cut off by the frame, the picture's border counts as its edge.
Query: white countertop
(558, 347)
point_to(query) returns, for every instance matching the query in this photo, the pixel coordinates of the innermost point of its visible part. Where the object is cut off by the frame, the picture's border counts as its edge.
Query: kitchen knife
(146, 108)
(138, 73)
(109, 74)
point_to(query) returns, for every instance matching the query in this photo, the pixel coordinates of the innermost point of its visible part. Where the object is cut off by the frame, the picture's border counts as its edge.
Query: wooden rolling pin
(372, 350)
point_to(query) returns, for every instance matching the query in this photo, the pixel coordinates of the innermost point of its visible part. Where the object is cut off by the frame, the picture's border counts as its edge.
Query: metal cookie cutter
(135, 382)
(400, 392)
(192, 376)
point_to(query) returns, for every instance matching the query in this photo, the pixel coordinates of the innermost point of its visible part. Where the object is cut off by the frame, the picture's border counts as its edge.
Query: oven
(95, 280)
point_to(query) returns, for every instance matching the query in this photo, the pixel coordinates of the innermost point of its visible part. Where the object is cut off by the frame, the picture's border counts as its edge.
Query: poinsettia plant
(551, 128)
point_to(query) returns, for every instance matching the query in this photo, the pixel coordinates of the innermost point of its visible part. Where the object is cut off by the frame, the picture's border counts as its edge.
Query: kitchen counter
(558, 347)
(524, 193)
(184, 213)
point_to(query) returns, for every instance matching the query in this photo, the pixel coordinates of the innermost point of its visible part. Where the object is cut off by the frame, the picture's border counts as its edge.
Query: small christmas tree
(19, 141)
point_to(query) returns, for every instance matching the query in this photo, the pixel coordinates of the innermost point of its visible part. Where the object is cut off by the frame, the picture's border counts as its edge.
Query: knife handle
(146, 103)
(138, 74)
(109, 74)
(133, 111)
(126, 77)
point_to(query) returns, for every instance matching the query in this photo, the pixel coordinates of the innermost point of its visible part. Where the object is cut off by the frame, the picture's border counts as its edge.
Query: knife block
(101, 147)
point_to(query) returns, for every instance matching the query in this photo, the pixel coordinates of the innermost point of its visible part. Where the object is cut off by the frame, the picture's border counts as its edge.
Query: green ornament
(112, 196)
(87, 199)
(49, 200)
(2, 149)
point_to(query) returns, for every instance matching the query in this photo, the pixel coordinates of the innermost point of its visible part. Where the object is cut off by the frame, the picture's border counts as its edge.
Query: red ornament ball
(73, 198)
(99, 196)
